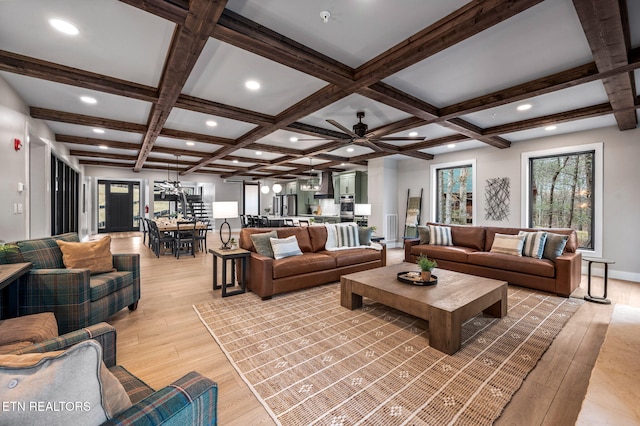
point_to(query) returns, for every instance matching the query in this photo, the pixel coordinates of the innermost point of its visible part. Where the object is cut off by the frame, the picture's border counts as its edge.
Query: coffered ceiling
(430, 77)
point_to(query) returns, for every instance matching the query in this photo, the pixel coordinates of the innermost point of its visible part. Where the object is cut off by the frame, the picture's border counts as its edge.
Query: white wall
(621, 232)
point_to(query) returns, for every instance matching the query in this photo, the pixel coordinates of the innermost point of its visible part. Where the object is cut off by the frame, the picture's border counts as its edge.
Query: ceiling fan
(359, 136)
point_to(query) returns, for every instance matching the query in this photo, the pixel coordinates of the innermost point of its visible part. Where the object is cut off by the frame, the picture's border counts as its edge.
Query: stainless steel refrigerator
(290, 205)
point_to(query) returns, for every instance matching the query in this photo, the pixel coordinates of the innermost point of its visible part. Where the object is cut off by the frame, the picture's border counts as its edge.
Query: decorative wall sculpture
(497, 194)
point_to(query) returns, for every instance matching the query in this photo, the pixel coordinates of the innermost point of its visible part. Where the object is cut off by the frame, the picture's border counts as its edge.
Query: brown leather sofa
(316, 266)
(470, 254)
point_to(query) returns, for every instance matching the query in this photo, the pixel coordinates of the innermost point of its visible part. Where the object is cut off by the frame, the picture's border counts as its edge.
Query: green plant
(426, 264)
(4, 248)
(373, 229)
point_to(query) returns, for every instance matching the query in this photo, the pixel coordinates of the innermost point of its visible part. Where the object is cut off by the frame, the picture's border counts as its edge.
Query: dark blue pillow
(554, 246)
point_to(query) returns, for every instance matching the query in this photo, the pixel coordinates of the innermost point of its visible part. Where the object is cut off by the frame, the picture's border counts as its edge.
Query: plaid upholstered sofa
(77, 298)
(190, 400)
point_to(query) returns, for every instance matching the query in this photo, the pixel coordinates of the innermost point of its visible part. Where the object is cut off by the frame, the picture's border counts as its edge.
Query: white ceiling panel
(196, 122)
(222, 70)
(562, 100)
(357, 31)
(106, 26)
(87, 132)
(61, 97)
(562, 128)
(543, 40)
(166, 142)
(457, 146)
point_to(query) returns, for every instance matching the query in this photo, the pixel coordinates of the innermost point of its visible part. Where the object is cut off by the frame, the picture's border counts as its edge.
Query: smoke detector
(325, 15)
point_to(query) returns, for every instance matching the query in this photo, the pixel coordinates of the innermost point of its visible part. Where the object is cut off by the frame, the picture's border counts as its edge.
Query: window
(453, 186)
(564, 191)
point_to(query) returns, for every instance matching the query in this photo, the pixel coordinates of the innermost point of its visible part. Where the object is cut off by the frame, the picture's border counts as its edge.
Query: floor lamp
(225, 210)
(362, 210)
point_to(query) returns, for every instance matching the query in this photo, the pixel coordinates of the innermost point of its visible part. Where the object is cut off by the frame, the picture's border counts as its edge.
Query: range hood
(326, 187)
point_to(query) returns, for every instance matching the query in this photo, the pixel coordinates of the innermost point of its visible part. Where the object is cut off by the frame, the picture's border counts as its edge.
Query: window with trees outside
(562, 193)
(454, 188)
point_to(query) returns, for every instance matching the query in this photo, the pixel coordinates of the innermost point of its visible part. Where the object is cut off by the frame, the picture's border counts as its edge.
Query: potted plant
(267, 210)
(5, 249)
(426, 266)
(233, 243)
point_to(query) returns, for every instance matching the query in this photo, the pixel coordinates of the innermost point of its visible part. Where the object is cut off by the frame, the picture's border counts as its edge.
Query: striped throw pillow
(533, 243)
(347, 235)
(440, 235)
(508, 244)
(285, 247)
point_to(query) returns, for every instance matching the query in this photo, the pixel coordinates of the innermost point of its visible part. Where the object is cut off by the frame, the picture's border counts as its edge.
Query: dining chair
(243, 221)
(145, 231)
(201, 235)
(160, 240)
(303, 222)
(288, 222)
(264, 222)
(184, 238)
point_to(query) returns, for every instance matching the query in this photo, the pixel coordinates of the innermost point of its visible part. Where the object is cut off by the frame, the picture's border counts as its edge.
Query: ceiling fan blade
(344, 129)
(369, 144)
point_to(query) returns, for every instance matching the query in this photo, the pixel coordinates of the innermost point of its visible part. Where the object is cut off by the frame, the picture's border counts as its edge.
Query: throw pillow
(364, 235)
(508, 244)
(285, 247)
(440, 235)
(43, 253)
(423, 232)
(533, 243)
(347, 235)
(61, 388)
(262, 243)
(332, 238)
(93, 255)
(554, 246)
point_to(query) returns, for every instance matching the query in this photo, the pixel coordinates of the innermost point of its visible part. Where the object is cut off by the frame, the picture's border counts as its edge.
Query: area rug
(312, 362)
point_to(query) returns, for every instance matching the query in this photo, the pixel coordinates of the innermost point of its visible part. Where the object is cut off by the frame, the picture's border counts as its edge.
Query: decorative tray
(412, 277)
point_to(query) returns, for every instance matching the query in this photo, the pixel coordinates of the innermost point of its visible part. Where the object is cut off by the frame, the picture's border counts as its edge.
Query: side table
(230, 256)
(598, 299)
(9, 274)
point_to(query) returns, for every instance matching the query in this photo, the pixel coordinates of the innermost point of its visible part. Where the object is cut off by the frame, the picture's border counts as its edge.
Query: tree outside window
(454, 199)
(561, 193)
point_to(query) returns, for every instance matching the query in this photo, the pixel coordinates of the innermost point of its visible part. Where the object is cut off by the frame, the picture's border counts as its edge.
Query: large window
(453, 193)
(563, 190)
(64, 197)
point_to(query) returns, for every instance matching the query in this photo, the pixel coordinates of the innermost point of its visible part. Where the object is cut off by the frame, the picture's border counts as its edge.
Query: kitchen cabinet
(291, 187)
(353, 183)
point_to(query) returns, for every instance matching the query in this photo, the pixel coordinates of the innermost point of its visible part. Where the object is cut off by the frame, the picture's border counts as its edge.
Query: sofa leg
(133, 306)
(267, 298)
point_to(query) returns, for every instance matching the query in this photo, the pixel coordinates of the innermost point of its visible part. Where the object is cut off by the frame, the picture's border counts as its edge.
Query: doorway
(119, 206)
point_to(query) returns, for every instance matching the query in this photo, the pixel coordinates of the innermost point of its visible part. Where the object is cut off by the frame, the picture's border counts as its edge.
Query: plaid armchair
(190, 400)
(77, 298)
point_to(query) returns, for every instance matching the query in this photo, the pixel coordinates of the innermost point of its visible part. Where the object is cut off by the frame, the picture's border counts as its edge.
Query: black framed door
(119, 204)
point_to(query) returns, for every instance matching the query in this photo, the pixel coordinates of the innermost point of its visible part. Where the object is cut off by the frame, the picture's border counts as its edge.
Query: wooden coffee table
(446, 305)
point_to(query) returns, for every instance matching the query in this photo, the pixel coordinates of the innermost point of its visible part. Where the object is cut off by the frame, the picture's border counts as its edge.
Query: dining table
(170, 226)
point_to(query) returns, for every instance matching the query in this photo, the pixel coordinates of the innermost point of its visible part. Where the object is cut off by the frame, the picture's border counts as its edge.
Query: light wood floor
(164, 339)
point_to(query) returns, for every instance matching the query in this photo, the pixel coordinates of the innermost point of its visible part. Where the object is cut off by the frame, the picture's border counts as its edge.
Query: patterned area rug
(313, 362)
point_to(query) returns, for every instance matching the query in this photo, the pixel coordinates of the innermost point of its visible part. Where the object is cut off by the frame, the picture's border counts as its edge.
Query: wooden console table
(9, 274)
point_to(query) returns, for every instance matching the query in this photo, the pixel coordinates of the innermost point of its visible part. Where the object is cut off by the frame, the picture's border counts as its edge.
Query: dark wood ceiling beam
(445, 140)
(475, 132)
(85, 120)
(204, 106)
(36, 68)
(603, 24)
(417, 154)
(396, 127)
(80, 140)
(315, 131)
(577, 114)
(275, 149)
(398, 99)
(471, 19)
(174, 10)
(241, 32)
(187, 44)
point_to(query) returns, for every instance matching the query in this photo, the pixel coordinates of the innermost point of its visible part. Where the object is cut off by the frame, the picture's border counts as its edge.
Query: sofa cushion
(302, 236)
(261, 243)
(508, 262)
(16, 333)
(364, 235)
(108, 283)
(347, 235)
(533, 243)
(318, 235)
(554, 245)
(44, 253)
(451, 253)
(92, 255)
(297, 265)
(136, 389)
(74, 383)
(423, 233)
(285, 247)
(468, 236)
(508, 244)
(440, 235)
(353, 256)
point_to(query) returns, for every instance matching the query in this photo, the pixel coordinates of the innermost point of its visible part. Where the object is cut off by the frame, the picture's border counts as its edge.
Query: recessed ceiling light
(451, 145)
(211, 123)
(549, 128)
(64, 26)
(412, 134)
(293, 139)
(349, 149)
(103, 147)
(190, 143)
(98, 131)
(252, 85)
(342, 164)
(258, 152)
(235, 161)
(88, 100)
(524, 107)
